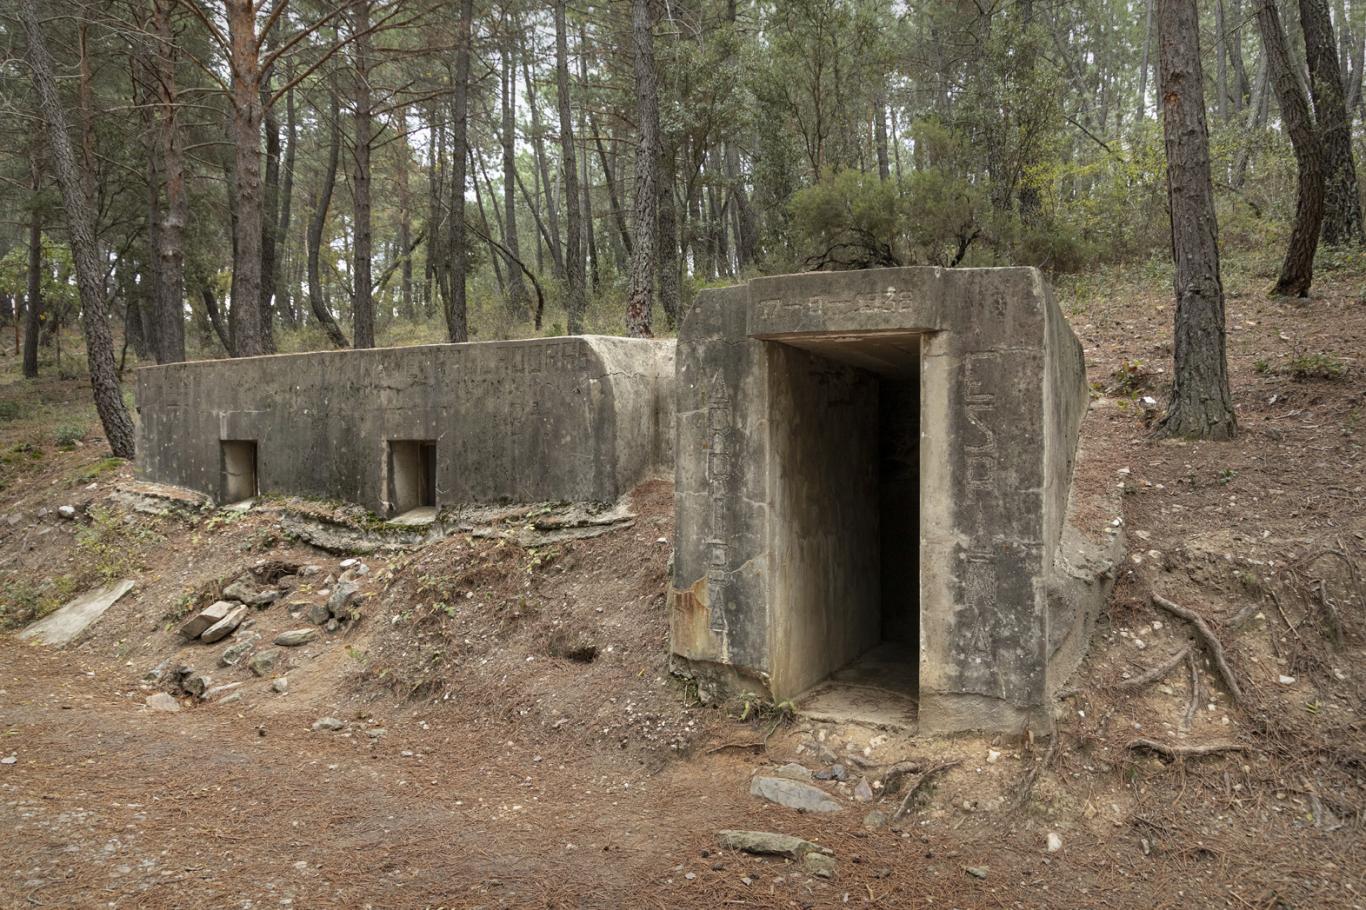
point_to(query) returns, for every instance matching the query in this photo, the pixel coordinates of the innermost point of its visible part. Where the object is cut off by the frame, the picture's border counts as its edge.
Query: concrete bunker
(238, 460)
(581, 419)
(873, 479)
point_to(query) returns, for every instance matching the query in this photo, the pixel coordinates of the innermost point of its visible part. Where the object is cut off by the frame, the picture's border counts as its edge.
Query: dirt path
(111, 804)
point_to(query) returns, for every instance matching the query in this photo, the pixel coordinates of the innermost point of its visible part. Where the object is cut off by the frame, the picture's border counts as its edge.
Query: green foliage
(68, 434)
(1304, 366)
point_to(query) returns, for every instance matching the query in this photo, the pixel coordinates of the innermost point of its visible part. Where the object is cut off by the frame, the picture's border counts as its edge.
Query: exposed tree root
(1156, 672)
(919, 783)
(1175, 752)
(1210, 641)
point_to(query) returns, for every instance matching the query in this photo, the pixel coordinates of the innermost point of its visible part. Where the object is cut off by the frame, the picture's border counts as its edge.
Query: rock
(234, 653)
(863, 791)
(375, 732)
(240, 590)
(1054, 842)
(262, 599)
(328, 723)
(197, 684)
(9, 760)
(317, 614)
(875, 819)
(287, 582)
(195, 625)
(225, 626)
(342, 597)
(216, 691)
(976, 871)
(793, 794)
(280, 685)
(230, 699)
(309, 571)
(1286, 680)
(163, 702)
(794, 771)
(836, 772)
(63, 625)
(154, 675)
(295, 637)
(67, 512)
(263, 662)
(819, 864)
(766, 843)
(332, 625)
(993, 756)
(348, 562)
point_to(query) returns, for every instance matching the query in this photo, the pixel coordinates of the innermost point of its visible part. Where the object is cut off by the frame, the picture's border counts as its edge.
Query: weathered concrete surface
(61, 626)
(800, 541)
(576, 418)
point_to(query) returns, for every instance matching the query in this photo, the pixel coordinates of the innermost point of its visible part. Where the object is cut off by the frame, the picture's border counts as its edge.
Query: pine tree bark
(576, 301)
(363, 302)
(1342, 205)
(244, 63)
(270, 219)
(517, 292)
(170, 249)
(457, 317)
(1201, 406)
(284, 292)
(645, 257)
(99, 341)
(670, 297)
(552, 212)
(33, 314)
(316, 302)
(1297, 271)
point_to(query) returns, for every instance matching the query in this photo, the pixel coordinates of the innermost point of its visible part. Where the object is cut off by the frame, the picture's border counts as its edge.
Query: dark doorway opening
(845, 427)
(238, 470)
(412, 478)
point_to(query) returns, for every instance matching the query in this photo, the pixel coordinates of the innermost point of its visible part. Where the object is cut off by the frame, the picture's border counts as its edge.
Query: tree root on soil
(1210, 641)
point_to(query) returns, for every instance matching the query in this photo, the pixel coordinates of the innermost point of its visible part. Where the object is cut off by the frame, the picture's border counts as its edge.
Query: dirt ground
(511, 735)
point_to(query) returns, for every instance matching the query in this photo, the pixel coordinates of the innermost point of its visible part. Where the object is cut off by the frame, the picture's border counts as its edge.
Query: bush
(9, 410)
(68, 434)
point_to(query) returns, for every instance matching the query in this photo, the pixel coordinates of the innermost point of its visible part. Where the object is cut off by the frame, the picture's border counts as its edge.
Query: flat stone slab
(62, 625)
(195, 625)
(225, 626)
(295, 637)
(766, 843)
(415, 518)
(794, 794)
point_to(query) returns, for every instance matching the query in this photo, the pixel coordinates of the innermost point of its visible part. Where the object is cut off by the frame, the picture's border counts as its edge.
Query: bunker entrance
(238, 470)
(412, 480)
(846, 436)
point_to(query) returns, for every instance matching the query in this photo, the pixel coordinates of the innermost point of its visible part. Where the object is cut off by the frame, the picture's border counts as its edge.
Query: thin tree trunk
(670, 299)
(270, 219)
(321, 312)
(1297, 272)
(1342, 205)
(99, 341)
(1254, 113)
(644, 260)
(170, 249)
(585, 173)
(405, 235)
(576, 300)
(245, 65)
(457, 317)
(618, 213)
(1201, 406)
(215, 314)
(1143, 67)
(284, 292)
(363, 303)
(517, 292)
(884, 164)
(33, 316)
(552, 214)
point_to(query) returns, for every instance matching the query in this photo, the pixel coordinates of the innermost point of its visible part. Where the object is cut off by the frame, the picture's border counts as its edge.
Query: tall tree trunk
(1342, 205)
(618, 213)
(363, 303)
(33, 315)
(884, 164)
(747, 229)
(170, 249)
(244, 63)
(405, 235)
(1297, 272)
(316, 302)
(586, 171)
(552, 213)
(1254, 113)
(457, 317)
(576, 300)
(99, 341)
(284, 291)
(1201, 406)
(270, 220)
(517, 292)
(436, 228)
(670, 298)
(1143, 67)
(644, 259)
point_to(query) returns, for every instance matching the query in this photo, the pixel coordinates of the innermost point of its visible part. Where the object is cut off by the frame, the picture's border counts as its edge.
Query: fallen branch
(1175, 752)
(1155, 673)
(1211, 642)
(920, 782)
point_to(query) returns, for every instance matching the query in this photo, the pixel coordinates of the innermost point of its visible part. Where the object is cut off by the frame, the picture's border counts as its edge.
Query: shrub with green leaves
(68, 434)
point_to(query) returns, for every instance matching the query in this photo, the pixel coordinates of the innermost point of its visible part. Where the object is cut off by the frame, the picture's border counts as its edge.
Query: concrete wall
(1001, 390)
(823, 527)
(575, 418)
